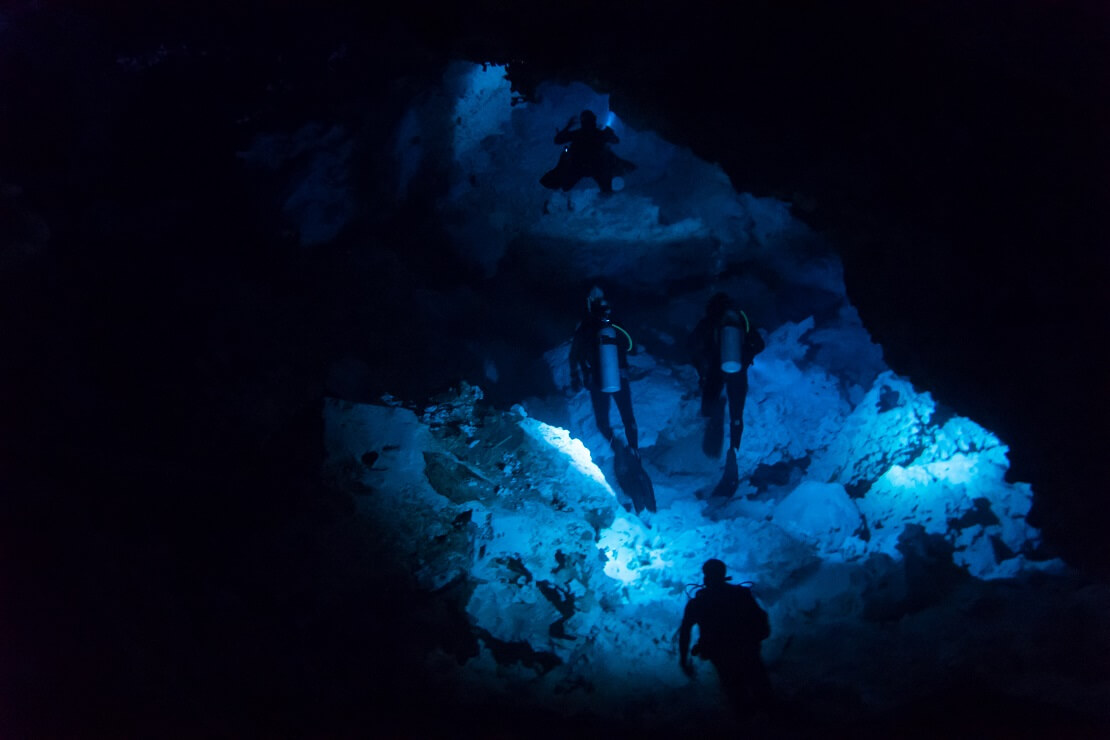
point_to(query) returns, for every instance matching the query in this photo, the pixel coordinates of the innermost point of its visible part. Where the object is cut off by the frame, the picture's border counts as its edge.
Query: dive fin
(633, 479)
(730, 481)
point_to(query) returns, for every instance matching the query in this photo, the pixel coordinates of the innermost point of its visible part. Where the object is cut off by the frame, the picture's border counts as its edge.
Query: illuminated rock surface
(516, 513)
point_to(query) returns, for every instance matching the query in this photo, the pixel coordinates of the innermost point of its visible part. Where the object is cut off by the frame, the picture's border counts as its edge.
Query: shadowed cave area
(292, 446)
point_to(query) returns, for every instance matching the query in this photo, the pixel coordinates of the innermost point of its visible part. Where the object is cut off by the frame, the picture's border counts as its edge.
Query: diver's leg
(623, 397)
(600, 402)
(713, 409)
(711, 393)
(731, 677)
(737, 385)
(759, 682)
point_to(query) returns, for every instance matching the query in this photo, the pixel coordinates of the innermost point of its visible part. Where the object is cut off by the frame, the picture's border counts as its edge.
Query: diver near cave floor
(599, 362)
(731, 625)
(586, 153)
(722, 347)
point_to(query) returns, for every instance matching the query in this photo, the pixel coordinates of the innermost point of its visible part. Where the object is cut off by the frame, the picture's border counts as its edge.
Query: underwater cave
(295, 442)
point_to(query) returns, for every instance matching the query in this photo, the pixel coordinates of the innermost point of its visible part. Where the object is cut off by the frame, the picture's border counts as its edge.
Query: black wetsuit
(731, 625)
(705, 351)
(587, 154)
(585, 364)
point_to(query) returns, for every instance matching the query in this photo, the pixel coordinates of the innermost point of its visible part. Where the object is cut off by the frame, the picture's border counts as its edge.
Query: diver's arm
(684, 636)
(753, 345)
(562, 136)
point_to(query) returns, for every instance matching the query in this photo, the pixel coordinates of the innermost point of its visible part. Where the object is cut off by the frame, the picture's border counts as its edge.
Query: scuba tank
(610, 364)
(732, 343)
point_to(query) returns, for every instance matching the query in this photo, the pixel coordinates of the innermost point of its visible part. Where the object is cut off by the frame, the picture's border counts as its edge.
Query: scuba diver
(722, 348)
(731, 626)
(599, 362)
(586, 153)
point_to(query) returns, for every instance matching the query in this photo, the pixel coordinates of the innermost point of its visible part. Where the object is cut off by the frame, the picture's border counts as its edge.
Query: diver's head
(594, 297)
(714, 572)
(718, 304)
(598, 305)
(587, 119)
(601, 311)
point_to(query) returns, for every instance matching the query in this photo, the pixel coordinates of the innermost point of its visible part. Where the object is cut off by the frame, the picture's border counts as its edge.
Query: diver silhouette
(722, 347)
(586, 153)
(731, 625)
(599, 362)
(590, 367)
